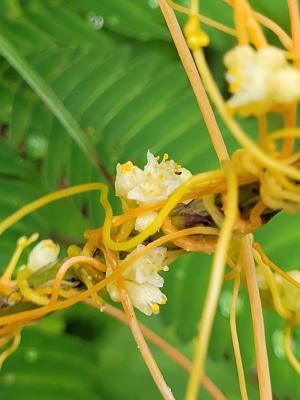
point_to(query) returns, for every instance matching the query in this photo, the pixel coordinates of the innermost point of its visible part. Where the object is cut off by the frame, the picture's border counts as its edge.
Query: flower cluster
(44, 253)
(143, 282)
(260, 79)
(148, 186)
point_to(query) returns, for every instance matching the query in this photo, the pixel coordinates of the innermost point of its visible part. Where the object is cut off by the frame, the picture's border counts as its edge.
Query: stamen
(155, 309)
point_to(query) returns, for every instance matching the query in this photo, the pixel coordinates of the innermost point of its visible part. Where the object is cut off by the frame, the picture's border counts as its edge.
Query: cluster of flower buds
(148, 186)
(143, 282)
(260, 79)
(155, 183)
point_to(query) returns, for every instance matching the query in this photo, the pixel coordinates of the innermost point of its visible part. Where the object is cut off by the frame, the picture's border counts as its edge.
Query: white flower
(290, 293)
(44, 253)
(260, 78)
(246, 77)
(143, 282)
(146, 268)
(145, 297)
(143, 221)
(156, 182)
(153, 184)
(285, 85)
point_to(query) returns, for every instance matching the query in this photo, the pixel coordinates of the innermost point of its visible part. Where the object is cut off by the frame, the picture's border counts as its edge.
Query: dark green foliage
(123, 84)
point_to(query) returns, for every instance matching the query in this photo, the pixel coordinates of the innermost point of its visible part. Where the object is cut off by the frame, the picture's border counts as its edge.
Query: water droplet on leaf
(36, 146)
(95, 20)
(31, 355)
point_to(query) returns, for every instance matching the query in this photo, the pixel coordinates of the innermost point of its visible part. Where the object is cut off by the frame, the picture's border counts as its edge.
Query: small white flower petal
(128, 176)
(145, 269)
(271, 57)
(247, 79)
(260, 78)
(112, 288)
(143, 221)
(145, 297)
(285, 85)
(44, 253)
(155, 280)
(113, 292)
(142, 281)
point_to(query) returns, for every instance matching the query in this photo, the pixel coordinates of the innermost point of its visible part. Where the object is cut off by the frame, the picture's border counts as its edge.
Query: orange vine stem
(195, 81)
(234, 335)
(137, 333)
(262, 362)
(217, 140)
(165, 346)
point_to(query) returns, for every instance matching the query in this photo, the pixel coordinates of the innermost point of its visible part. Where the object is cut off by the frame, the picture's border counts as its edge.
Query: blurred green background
(114, 67)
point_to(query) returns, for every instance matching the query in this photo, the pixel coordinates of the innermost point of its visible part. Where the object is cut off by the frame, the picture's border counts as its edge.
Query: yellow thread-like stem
(293, 6)
(165, 346)
(240, 22)
(215, 283)
(22, 243)
(191, 70)
(42, 201)
(234, 127)
(262, 363)
(284, 38)
(288, 348)
(273, 266)
(38, 313)
(235, 338)
(67, 265)
(13, 347)
(144, 349)
(205, 20)
(157, 376)
(213, 210)
(163, 213)
(279, 307)
(28, 293)
(194, 7)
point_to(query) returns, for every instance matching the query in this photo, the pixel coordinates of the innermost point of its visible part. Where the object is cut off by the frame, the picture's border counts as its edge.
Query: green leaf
(50, 366)
(48, 96)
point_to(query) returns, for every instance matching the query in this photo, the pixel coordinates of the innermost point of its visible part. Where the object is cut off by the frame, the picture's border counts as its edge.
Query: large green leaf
(125, 87)
(50, 366)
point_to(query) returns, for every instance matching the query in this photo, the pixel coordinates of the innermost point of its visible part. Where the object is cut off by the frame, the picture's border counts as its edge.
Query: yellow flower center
(127, 167)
